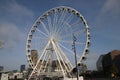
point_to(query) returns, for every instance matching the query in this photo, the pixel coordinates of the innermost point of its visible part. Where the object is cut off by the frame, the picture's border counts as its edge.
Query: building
(4, 76)
(1, 68)
(99, 63)
(15, 76)
(111, 63)
(34, 56)
(22, 68)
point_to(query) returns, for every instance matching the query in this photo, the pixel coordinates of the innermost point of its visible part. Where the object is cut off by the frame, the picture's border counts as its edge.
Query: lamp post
(74, 49)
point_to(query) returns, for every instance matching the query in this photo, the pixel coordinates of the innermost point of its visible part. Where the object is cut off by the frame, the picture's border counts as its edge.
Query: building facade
(34, 56)
(1, 68)
(111, 63)
(22, 68)
(99, 63)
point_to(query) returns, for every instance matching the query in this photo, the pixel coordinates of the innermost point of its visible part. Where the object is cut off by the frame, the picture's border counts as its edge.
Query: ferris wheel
(50, 40)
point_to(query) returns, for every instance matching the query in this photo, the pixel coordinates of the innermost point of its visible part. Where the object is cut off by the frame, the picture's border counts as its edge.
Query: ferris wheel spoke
(55, 21)
(65, 36)
(79, 32)
(75, 23)
(69, 18)
(63, 23)
(71, 42)
(64, 28)
(36, 45)
(69, 25)
(68, 50)
(50, 24)
(38, 37)
(45, 27)
(60, 22)
(41, 32)
(61, 18)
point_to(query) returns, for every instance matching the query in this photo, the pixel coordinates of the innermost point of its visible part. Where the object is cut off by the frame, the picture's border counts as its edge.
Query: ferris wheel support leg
(38, 61)
(63, 60)
(58, 59)
(43, 60)
(64, 56)
(43, 55)
(46, 62)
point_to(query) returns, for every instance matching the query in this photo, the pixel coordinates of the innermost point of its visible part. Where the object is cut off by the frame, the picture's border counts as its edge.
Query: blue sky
(18, 16)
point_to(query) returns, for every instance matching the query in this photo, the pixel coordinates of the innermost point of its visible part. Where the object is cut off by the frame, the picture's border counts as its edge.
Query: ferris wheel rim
(37, 23)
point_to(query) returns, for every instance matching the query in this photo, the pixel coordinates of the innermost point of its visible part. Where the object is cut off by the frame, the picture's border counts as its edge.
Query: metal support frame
(74, 49)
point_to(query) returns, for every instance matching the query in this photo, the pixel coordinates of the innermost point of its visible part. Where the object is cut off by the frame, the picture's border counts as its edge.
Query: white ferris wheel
(51, 37)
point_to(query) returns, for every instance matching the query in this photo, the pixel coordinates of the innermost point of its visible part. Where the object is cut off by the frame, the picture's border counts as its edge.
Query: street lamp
(74, 49)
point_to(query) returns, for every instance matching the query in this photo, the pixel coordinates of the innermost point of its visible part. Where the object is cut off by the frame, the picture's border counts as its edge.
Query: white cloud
(109, 13)
(111, 7)
(13, 16)
(92, 57)
(10, 34)
(13, 19)
(1, 44)
(14, 8)
(107, 22)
